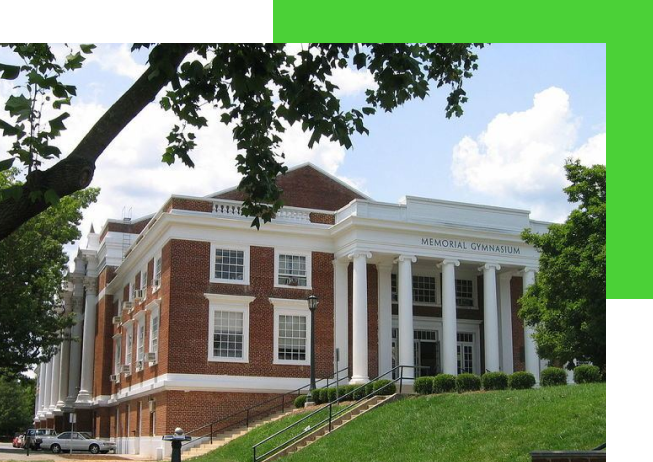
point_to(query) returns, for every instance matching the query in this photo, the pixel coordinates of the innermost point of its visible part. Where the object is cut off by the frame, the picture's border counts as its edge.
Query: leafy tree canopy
(33, 266)
(260, 90)
(16, 405)
(567, 303)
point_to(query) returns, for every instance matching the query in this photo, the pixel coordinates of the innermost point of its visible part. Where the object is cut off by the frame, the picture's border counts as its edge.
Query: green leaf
(18, 106)
(51, 197)
(8, 129)
(87, 48)
(9, 72)
(56, 124)
(6, 164)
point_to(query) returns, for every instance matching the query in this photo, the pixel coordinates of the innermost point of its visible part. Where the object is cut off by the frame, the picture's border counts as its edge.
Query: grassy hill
(488, 426)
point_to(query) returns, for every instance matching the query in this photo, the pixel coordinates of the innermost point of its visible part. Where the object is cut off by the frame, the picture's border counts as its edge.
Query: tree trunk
(75, 172)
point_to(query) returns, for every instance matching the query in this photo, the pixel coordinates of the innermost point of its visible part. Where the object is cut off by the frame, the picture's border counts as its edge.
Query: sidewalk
(7, 452)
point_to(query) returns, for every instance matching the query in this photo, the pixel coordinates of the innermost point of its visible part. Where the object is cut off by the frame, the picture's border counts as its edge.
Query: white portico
(448, 276)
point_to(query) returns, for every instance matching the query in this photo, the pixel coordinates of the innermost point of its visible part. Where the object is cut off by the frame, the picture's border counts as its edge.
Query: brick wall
(103, 362)
(189, 312)
(308, 188)
(518, 358)
(188, 204)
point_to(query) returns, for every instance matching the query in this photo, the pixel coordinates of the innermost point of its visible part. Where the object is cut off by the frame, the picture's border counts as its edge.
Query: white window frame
(129, 338)
(131, 290)
(294, 253)
(154, 313)
(157, 270)
(245, 250)
(474, 293)
(233, 303)
(291, 307)
(144, 279)
(140, 340)
(117, 354)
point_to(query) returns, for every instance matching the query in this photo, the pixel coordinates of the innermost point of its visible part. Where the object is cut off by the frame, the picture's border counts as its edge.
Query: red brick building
(190, 314)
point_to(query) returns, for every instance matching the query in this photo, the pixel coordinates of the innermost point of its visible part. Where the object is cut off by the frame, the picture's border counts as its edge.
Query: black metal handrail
(332, 416)
(250, 414)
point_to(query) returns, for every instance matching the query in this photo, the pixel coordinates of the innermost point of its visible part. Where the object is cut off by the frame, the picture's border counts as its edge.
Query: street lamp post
(312, 306)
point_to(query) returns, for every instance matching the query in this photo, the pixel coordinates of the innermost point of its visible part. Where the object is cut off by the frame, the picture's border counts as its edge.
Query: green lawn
(489, 426)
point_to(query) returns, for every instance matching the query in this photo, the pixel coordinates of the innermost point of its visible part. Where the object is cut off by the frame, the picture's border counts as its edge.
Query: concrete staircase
(360, 409)
(221, 439)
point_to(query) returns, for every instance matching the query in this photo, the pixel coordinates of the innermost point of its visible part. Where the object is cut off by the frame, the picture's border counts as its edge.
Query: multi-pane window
(229, 265)
(464, 293)
(292, 270)
(465, 350)
(157, 272)
(117, 351)
(144, 279)
(292, 338)
(228, 335)
(129, 343)
(154, 333)
(140, 341)
(423, 289)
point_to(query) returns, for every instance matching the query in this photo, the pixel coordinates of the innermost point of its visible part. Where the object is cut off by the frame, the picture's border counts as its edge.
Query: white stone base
(150, 447)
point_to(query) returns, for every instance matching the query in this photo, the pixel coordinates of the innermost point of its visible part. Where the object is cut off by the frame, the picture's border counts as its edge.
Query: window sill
(280, 362)
(229, 281)
(228, 360)
(280, 286)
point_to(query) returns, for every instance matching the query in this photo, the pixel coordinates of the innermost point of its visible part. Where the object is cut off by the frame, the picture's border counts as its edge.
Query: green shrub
(444, 383)
(359, 391)
(369, 388)
(494, 381)
(587, 374)
(468, 382)
(332, 393)
(521, 380)
(300, 401)
(346, 390)
(324, 395)
(424, 385)
(552, 376)
(381, 387)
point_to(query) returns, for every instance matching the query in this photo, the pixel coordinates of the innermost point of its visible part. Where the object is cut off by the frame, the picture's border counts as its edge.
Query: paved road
(7, 452)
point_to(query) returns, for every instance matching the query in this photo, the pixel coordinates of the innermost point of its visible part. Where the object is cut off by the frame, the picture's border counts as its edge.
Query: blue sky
(508, 148)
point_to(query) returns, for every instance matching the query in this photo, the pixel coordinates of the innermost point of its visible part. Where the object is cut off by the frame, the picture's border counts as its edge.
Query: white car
(76, 441)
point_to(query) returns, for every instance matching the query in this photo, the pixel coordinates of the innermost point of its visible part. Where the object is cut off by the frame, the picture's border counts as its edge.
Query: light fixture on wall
(151, 402)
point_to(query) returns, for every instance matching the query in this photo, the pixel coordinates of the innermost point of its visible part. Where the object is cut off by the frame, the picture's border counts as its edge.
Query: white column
(341, 282)
(54, 392)
(75, 356)
(88, 341)
(360, 368)
(39, 408)
(490, 316)
(385, 316)
(449, 324)
(63, 370)
(507, 365)
(406, 330)
(47, 390)
(530, 350)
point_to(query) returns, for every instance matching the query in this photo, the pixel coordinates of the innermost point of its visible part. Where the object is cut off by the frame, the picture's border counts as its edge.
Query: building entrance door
(427, 351)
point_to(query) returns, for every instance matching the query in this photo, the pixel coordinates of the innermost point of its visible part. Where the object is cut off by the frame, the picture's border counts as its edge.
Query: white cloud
(117, 59)
(521, 156)
(351, 82)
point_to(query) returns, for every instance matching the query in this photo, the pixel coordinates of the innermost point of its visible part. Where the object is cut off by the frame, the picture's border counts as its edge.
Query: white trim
(290, 307)
(246, 263)
(154, 313)
(294, 253)
(234, 303)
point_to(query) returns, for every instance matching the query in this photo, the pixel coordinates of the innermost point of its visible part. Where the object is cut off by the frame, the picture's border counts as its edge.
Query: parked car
(17, 441)
(37, 435)
(76, 441)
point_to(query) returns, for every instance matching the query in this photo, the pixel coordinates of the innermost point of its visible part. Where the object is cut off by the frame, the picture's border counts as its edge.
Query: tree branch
(75, 172)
